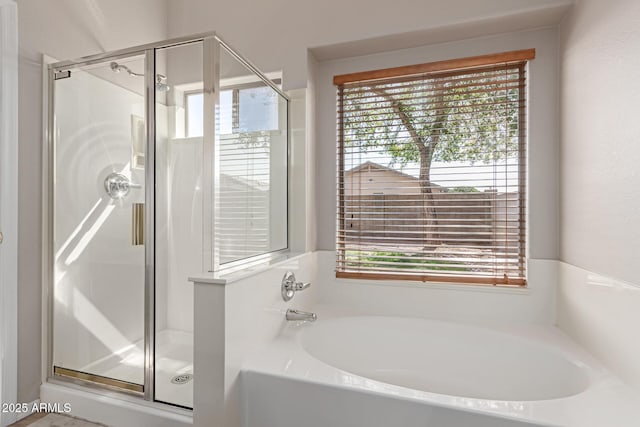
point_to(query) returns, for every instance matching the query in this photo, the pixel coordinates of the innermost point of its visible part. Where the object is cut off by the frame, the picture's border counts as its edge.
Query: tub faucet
(290, 286)
(299, 315)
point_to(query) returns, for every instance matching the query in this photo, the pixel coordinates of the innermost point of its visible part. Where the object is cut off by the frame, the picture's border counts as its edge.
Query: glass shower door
(98, 226)
(179, 160)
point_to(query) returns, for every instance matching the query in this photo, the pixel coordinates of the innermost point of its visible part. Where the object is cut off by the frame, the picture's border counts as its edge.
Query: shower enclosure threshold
(174, 358)
(114, 409)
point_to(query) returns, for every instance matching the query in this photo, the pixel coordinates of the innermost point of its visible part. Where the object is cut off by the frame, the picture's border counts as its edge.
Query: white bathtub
(386, 371)
(446, 358)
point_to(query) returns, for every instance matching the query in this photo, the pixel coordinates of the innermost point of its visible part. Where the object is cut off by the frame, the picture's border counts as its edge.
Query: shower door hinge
(62, 75)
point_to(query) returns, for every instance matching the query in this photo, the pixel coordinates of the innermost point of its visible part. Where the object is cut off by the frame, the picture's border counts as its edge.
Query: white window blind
(431, 172)
(252, 173)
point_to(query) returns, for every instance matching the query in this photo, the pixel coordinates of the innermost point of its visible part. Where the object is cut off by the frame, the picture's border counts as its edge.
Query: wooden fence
(460, 219)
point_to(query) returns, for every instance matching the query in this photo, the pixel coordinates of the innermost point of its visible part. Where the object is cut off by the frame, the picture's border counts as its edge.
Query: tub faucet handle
(301, 286)
(290, 286)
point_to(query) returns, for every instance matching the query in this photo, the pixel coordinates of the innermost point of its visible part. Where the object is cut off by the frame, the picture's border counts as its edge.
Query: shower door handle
(117, 185)
(137, 224)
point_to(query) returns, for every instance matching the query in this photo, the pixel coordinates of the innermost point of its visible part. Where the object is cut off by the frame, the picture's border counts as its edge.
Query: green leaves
(469, 118)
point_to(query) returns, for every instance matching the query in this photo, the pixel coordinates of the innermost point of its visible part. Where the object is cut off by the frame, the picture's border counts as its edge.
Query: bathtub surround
(475, 304)
(347, 407)
(601, 314)
(236, 318)
(320, 366)
(267, 360)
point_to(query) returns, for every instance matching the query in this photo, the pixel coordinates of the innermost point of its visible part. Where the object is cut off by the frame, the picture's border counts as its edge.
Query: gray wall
(276, 34)
(63, 29)
(543, 127)
(600, 127)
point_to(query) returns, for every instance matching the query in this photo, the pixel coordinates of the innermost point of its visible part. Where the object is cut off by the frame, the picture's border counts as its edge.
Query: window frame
(520, 58)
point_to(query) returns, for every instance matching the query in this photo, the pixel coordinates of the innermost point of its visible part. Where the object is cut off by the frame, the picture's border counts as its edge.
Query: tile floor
(53, 420)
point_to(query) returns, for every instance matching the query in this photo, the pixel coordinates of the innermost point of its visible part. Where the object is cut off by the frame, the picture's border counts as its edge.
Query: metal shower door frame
(149, 52)
(212, 46)
(89, 380)
(62, 374)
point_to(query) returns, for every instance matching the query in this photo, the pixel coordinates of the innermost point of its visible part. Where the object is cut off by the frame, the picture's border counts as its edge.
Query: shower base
(113, 409)
(174, 359)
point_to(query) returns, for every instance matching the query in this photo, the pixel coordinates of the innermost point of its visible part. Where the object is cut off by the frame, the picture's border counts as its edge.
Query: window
(257, 109)
(243, 109)
(431, 171)
(253, 172)
(195, 114)
(252, 145)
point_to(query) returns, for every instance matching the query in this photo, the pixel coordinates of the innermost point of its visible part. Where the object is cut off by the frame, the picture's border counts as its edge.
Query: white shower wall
(179, 202)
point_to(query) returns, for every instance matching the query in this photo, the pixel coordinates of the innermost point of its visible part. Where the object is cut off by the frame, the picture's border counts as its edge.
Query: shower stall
(163, 161)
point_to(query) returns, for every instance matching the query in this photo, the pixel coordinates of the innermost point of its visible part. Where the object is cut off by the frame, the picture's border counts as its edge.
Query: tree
(467, 116)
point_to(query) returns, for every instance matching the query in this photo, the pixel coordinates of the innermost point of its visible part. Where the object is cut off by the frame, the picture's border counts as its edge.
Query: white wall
(599, 295)
(275, 35)
(542, 126)
(8, 205)
(600, 127)
(62, 29)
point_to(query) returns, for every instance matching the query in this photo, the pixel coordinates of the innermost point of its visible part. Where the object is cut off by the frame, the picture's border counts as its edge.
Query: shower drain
(182, 379)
